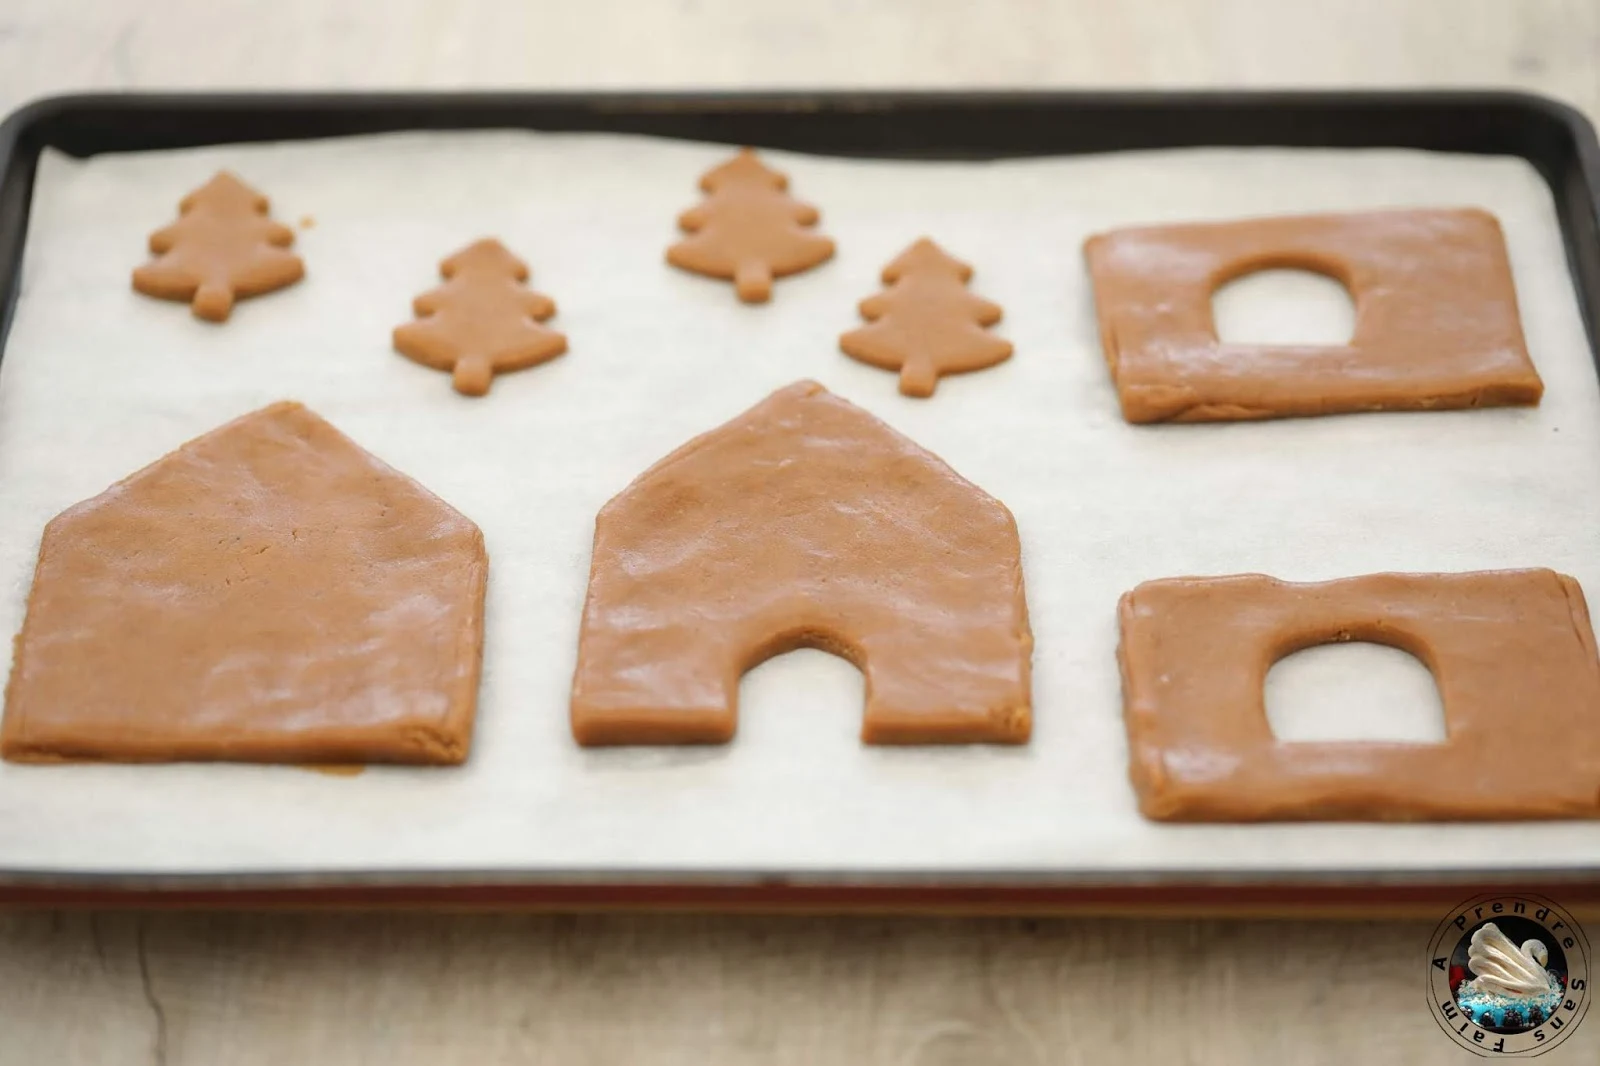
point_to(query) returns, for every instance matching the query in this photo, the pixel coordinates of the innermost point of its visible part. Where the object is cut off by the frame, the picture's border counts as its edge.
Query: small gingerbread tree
(483, 320)
(928, 323)
(222, 247)
(748, 229)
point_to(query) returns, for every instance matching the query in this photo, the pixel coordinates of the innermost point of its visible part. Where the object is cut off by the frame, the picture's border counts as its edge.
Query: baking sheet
(97, 381)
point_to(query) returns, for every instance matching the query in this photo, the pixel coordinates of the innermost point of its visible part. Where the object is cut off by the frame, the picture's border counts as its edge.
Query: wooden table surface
(224, 989)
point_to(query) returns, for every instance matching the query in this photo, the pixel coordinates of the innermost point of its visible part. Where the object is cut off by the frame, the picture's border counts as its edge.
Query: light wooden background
(224, 989)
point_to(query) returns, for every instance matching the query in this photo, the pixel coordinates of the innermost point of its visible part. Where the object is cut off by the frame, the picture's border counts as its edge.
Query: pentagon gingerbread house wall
(804, 522)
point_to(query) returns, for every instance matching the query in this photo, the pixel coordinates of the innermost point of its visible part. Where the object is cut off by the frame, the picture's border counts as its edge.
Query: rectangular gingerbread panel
(1437, 324)
(1511, 651)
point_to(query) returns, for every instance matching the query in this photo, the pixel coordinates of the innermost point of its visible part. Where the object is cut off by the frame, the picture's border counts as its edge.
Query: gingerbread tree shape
(482, 321)
(222, 247)
(748, 229)
(928, 323)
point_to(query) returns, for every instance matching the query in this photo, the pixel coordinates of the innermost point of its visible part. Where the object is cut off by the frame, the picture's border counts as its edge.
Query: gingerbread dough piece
(928, 323)
(1436, 317)
(269, 592)
(223, 247)
(1511, 651)
(748, 229)
(482, 321)
(804, 522)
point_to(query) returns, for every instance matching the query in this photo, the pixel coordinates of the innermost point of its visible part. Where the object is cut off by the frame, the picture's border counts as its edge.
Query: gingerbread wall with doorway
(804, 522)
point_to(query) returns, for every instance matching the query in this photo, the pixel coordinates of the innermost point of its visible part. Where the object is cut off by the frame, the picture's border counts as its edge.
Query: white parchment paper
(98, 381)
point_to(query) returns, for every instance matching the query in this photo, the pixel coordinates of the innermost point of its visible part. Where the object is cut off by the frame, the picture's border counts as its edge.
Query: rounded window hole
(1284, 307)
(1354, 691)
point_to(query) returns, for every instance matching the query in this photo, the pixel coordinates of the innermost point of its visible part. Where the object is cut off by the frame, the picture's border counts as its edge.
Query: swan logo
(1508, 975)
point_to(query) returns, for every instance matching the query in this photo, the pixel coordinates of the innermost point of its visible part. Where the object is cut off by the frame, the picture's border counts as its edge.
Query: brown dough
(1436, 317)
(224, 246)
(804, 522)
(481, 321)
(269, 592)
(1511, 651)
(928, 323)
(748, 229)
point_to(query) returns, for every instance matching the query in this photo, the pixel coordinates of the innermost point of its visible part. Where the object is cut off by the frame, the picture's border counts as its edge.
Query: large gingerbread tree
(481, 321)
(221, 248)
(928, 323)
(748, 229)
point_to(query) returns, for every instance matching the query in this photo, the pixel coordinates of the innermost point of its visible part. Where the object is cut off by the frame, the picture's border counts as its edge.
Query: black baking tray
(1557, 140)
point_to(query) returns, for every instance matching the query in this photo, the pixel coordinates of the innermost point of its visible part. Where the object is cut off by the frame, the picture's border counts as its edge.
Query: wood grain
(234, 989)
(239, 990)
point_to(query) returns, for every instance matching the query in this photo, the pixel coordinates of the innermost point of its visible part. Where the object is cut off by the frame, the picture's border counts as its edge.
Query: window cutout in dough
(1354, 691)
(1303, 308)
(1512, 651)
(1436, 319)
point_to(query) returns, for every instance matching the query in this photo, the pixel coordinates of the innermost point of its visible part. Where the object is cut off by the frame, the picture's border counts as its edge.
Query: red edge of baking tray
(1557, 140)
(1347, 899)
